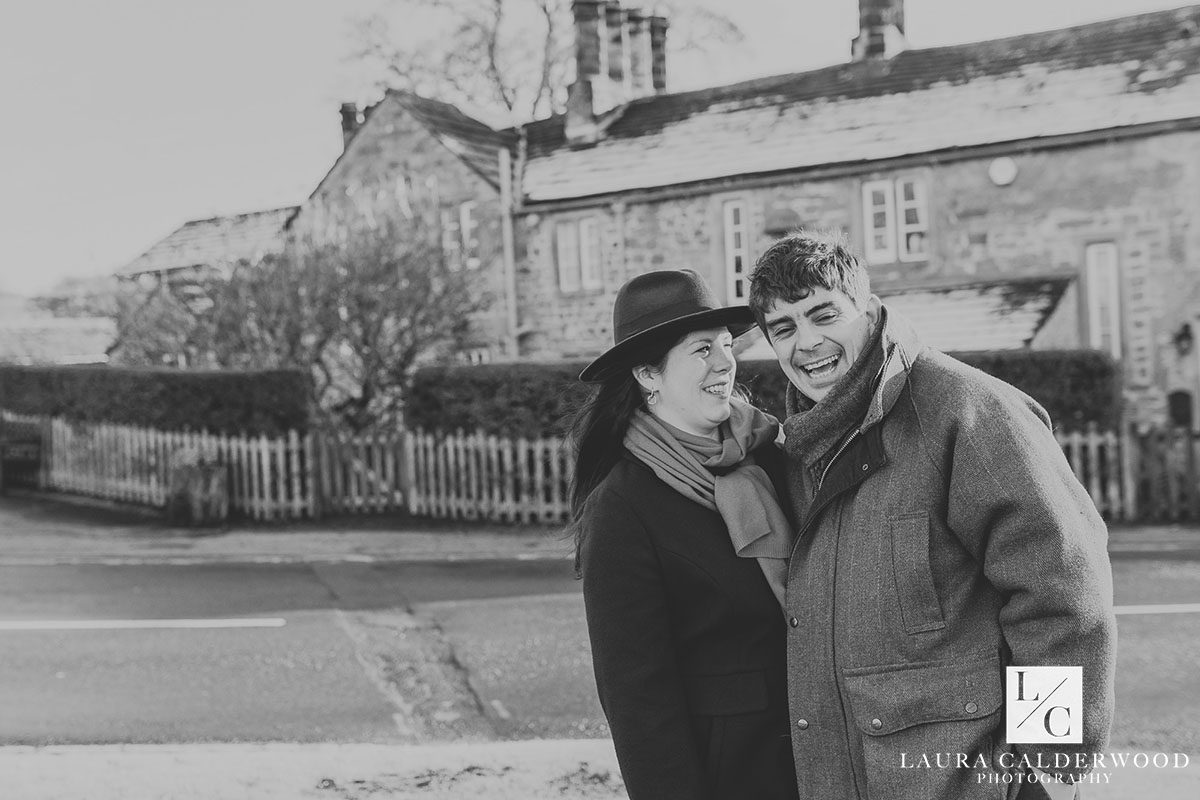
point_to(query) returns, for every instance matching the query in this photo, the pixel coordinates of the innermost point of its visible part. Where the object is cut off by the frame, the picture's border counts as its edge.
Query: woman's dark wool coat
(687, 644)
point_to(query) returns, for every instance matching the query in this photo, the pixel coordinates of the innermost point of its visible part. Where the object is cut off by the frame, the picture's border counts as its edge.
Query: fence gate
(20, 452)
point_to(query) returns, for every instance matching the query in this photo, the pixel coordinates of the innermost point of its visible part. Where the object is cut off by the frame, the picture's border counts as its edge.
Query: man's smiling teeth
(818, 366)
(717, 389)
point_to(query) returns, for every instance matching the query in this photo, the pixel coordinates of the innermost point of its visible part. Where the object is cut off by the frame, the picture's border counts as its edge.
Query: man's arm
(1014, 498)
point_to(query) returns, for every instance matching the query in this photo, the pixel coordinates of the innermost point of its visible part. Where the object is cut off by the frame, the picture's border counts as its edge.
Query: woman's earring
(652, 398)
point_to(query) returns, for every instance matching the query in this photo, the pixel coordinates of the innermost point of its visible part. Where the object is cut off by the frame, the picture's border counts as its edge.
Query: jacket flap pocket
(884, 700)
(720, 695)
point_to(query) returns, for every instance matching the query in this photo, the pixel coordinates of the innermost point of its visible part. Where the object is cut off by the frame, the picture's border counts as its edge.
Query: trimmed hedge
(1075, 386)
(254, 402)
(526, 399)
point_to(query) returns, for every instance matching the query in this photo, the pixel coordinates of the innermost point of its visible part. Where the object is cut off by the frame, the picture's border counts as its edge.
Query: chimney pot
(658, 54)
(617, 24)
(591, 50)
(880, 29)
(351, 119)
(639, 54)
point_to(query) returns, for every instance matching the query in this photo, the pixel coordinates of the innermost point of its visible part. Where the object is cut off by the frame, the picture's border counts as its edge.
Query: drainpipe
(509, 252)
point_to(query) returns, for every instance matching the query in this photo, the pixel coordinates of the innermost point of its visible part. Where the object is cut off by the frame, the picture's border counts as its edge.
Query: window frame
(566, 256)
(730, 229)
(451, 241)
(468, 242)
(920, 202)
(579, 254)
(1103, 280)
(888, 253)
(895, 229)
(591, 256)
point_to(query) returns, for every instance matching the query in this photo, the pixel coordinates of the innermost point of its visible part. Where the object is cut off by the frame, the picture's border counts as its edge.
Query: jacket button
(876, 723)
(795, 623)
(865, 467)
(802, 724)
(971, 708)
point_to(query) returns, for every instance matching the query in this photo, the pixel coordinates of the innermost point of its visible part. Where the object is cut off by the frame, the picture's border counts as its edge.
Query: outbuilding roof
(986, 315)
(217, 240)
(31, 336)
(1101, 76)
(474, 142)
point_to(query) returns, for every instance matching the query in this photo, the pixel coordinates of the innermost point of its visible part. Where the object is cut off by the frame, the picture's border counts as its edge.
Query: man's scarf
(723, 477)
(814, 430)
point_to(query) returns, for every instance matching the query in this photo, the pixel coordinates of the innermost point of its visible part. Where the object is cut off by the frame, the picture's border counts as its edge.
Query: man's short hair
(800, 262)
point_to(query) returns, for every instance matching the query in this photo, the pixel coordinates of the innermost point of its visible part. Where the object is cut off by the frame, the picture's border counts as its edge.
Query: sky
(121, 120)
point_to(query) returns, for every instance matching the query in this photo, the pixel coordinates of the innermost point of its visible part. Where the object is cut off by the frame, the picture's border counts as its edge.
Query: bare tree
(153, 329)
(359, 311)
(512, 57)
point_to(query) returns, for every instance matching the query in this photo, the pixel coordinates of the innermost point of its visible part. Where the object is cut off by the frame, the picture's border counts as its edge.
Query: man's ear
(874, 306)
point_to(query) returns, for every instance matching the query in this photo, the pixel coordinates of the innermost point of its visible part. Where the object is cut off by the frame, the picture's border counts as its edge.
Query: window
(1103, 297)
(451, 245)
(459, 243)
(737, 250)
(589, 254)
(895, 220)
(476, 356)
(467, 229)
(577, 254)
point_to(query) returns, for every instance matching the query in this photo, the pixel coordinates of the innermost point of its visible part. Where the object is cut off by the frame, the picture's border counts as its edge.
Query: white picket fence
(475, 476)
(295, 476)
(125, 463)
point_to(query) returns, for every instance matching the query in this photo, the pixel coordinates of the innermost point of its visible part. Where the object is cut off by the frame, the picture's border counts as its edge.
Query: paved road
(344, 666)
(316, 657)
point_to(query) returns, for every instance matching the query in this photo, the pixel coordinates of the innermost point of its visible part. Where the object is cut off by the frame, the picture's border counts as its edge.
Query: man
(941, 537)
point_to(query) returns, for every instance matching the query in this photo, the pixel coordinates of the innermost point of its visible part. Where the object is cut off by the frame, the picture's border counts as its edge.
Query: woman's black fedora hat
(657, 305)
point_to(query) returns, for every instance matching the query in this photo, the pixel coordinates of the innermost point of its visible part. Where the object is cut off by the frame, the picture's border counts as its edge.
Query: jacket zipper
(836, 455)
(847, 720)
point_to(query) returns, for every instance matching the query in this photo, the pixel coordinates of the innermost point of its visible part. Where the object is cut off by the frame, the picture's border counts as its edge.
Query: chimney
(620, 54)
(880, 30)
(586, 96)
(617, 24)
(658, 54)
(351, 119)
(640, 83)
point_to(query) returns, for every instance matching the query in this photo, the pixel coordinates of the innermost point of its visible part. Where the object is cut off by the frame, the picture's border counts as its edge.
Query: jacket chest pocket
(915, 589)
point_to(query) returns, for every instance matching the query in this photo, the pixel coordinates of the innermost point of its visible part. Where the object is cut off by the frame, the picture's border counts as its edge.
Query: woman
(682, 547)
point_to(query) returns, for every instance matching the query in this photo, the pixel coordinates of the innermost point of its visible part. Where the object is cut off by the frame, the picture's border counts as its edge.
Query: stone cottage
(1034, 191)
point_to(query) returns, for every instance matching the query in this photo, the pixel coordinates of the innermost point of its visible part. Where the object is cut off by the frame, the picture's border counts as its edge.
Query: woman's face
(695, 383)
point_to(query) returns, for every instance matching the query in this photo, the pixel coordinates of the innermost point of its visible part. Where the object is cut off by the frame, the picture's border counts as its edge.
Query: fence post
(3, 440)
(1190, 478)
(1128, 484)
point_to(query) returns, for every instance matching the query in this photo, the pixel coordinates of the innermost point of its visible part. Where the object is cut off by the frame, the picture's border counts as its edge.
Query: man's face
(817, 339)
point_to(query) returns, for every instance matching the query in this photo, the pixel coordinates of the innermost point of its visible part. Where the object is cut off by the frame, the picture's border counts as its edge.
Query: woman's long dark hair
(598, 431)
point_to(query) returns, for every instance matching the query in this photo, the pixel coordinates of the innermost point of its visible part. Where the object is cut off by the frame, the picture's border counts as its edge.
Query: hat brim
(738, 319)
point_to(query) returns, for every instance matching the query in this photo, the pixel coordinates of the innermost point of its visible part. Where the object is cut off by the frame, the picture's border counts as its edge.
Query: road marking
(136, 624)
(567, 596)
(1169, 608)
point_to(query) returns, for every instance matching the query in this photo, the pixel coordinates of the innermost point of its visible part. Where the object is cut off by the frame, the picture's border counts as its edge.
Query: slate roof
(28, 336)
(474, 142)
(1124, 72)
(991, 315)
(219, 240)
